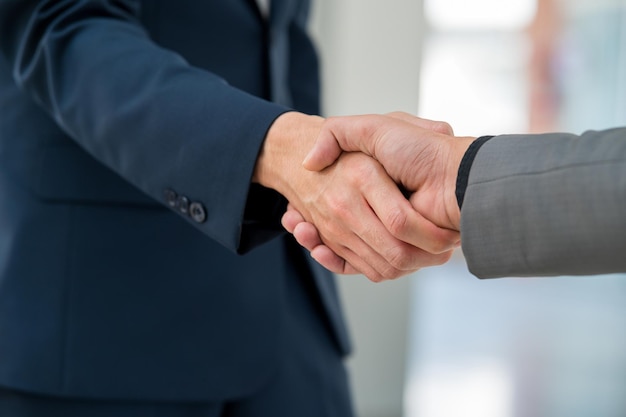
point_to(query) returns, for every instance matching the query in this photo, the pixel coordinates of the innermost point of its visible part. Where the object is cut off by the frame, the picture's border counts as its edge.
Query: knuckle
(362, 173)
(400, 258)
(444, 257)
(440, 259)
(445, 242)
(334, 230)
(339, 207)
(438, 247)
(397, 222)
(443, 127)
(391, 272)
(331, 120)
(383, 272)
(369, 125)
(364, 167)
(375, 277)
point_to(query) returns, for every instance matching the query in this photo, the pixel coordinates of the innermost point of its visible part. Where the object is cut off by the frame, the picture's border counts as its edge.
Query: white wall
(370, 52)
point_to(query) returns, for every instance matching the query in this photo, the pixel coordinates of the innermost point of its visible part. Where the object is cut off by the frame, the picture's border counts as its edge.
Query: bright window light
(482, 390)
(479, 14)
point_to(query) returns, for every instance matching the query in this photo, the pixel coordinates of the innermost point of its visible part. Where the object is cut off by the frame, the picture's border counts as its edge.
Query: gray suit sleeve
(544, 205)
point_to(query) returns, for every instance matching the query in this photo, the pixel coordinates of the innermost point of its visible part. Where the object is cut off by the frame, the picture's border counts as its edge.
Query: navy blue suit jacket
(129, 131)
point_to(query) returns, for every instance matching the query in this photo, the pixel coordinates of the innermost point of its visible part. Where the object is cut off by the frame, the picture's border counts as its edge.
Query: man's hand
(358, 212)
(419, 154)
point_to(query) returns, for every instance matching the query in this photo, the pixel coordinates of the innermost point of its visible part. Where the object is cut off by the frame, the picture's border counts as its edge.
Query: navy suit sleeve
(140, 109)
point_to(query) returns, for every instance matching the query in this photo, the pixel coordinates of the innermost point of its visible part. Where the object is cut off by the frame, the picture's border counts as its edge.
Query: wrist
(286, 144)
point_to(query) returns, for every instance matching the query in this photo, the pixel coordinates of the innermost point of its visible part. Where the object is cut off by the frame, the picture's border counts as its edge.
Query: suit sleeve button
(197, 212)
(170, 197)
(183, 204)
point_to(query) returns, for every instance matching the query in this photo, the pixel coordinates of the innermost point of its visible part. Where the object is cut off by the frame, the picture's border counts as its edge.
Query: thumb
(325, 151)
(345, 133)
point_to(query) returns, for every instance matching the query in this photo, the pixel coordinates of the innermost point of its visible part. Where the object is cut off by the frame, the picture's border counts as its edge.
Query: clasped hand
(360, 220)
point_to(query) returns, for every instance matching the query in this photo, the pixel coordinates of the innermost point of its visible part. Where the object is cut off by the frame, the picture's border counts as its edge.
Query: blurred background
(442, 343)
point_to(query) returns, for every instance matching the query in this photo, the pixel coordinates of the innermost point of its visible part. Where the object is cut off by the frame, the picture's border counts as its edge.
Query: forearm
(138, 108)
(547, 205)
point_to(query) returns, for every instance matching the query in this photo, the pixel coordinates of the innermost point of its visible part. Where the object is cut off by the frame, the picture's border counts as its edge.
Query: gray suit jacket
(550, 204)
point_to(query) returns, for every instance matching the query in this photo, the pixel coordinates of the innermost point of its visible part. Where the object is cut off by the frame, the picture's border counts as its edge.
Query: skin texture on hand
(419, 154)
(356, 210)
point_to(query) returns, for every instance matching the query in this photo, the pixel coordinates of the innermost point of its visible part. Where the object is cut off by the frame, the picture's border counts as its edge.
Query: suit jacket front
(129, 132)
(551, 204)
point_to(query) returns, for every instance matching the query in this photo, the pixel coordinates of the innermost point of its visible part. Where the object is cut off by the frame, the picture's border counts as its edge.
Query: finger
(419, 252)
(434, 125)
(389, 256)
(359, 133)
(307, 235)
(325, 256)
(356, 257)
(331, 261)
(404, 223)
(342, 239)
(352, 263)
(353, 231)
(373, 212)
(344, 259)
(291, 218)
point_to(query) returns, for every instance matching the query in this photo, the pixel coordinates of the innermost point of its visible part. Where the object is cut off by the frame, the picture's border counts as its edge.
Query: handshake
(375, 194)
(381, 195)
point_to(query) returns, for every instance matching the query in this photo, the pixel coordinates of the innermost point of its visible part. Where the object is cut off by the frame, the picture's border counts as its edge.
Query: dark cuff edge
(462, 178)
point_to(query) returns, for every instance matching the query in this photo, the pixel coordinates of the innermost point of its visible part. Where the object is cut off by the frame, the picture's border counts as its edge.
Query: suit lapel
(255, 6)
(279, 10)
